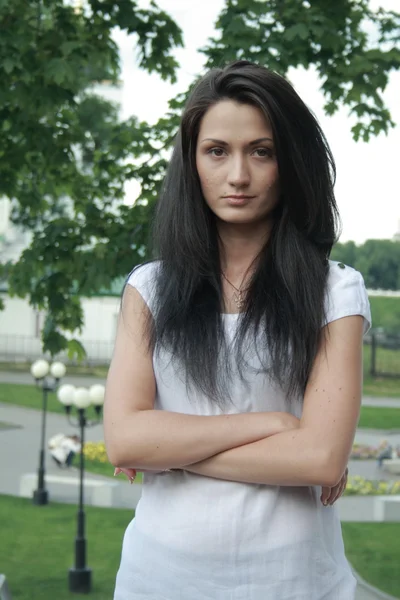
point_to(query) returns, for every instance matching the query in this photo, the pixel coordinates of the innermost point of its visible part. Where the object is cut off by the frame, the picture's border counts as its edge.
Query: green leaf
(76, 350)
(296, 31)
(8, 65)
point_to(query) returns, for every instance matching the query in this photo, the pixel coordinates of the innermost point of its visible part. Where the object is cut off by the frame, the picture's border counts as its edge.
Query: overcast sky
(367, 187)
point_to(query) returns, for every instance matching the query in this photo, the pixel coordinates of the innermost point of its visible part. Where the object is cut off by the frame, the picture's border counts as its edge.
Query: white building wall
(17, 318)
(21, 324)
(100, 318)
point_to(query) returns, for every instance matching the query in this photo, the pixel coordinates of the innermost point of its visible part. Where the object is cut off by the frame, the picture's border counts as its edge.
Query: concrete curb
(382, 432)
(370, 589)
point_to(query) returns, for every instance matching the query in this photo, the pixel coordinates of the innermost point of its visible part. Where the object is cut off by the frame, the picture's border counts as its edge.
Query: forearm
(157, 440)
(289, 458)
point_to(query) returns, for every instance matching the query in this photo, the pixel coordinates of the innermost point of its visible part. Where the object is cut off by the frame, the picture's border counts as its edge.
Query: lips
(238, 200)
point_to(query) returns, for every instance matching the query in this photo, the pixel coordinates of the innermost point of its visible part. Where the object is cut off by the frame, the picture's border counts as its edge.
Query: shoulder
(143, 278)
(339, 272)
(144, 273)
(346, 294)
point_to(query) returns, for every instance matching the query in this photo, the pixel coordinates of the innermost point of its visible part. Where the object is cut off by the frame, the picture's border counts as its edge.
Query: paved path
(382, 402)
(19, 452)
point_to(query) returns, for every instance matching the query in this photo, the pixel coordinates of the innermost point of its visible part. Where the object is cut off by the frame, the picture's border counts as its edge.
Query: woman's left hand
(331, 494)
(130, 473)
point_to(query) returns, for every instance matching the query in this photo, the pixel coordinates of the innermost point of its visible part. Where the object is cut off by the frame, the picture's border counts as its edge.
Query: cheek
(209, 179)
(208, 182)
(271, 182)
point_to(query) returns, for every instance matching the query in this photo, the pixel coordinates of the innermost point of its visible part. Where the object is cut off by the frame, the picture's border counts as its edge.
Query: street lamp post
(40, 370)
(80, 575)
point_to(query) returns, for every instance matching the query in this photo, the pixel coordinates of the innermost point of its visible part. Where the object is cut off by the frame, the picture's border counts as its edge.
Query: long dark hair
(285, 304)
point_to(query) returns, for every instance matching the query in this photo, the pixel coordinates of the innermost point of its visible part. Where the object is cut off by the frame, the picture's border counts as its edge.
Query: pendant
(239, 300)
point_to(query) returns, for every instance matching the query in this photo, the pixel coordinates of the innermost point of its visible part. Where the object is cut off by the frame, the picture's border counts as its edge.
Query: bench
(98, 492)
(387, 508)
(4, 589)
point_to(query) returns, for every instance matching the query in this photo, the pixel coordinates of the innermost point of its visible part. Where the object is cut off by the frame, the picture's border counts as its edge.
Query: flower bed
(363, 452)
(358, 486)
(96, 461)
(95, 451)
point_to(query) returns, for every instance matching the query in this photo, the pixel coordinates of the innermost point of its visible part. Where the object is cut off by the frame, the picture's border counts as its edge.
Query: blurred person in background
(63, 449)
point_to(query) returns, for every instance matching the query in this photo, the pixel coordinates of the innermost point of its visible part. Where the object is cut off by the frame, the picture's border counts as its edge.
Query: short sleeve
(143, 279)
(346, 295)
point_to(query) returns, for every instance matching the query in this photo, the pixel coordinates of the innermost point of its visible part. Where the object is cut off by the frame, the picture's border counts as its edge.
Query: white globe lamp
(65, 394)
(40, 369)
(97, 392)
(82, 398)
(58, 370)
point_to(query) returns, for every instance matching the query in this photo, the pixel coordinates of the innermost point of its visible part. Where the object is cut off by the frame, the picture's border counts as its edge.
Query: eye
(264, 152)
(217, 152)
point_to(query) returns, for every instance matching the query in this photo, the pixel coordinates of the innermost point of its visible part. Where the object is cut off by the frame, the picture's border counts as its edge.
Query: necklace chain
(239, 292)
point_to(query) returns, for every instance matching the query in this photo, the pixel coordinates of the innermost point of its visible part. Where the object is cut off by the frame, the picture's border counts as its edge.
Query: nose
(239, 174)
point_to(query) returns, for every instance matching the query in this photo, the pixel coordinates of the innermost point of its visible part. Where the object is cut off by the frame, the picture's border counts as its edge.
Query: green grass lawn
(385, 387)
(105, 469)
(379, 418)
(97, 467)
(89, 371)
(374, 551)
(385, 312)
(37, 549)
(386, 361)
(28, 396)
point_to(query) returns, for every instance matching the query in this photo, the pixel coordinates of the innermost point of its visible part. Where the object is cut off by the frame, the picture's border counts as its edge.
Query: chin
(240, 217)
(240, 221)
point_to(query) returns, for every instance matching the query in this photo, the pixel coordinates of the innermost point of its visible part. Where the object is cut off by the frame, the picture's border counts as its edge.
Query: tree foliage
(377, 260)
(65, 155)
(352, 48)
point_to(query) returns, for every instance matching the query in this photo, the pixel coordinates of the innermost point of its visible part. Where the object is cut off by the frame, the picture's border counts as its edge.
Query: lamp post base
(80, 580)
(40, 497)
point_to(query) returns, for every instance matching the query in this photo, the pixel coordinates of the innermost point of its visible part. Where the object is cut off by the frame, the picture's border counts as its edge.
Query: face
(237, 165)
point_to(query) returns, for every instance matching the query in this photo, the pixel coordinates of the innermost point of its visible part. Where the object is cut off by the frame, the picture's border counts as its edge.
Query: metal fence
(383, 351)
(18, 348)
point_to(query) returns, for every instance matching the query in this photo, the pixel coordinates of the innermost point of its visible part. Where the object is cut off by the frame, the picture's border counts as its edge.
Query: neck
(240, 246)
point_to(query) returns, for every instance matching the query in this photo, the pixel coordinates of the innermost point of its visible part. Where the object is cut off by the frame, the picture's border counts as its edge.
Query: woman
(236, 378)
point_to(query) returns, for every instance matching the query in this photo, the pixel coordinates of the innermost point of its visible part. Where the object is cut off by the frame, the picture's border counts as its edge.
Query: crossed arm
(266, 448)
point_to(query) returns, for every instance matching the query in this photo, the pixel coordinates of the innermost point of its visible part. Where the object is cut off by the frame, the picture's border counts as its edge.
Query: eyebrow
(253, 143)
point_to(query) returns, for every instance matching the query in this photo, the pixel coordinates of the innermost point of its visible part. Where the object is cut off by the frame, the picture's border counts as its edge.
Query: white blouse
(198, 538)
